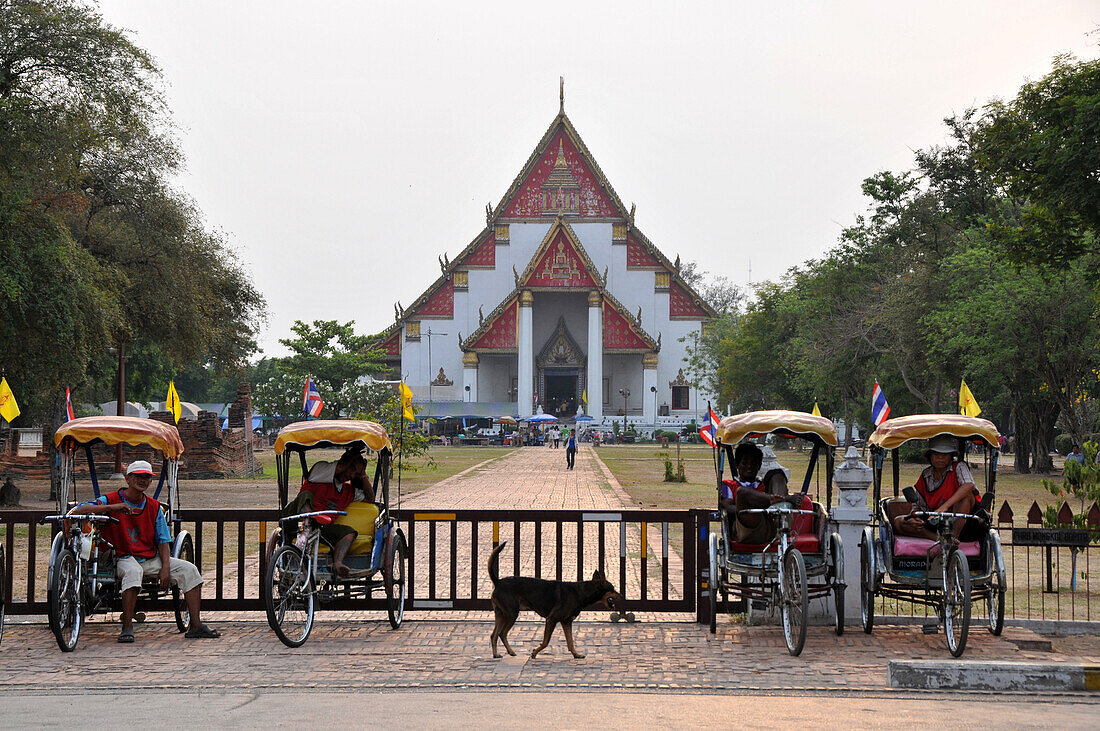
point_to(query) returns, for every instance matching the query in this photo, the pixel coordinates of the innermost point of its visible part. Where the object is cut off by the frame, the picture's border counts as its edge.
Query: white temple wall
(623, 371)
(494, 377)
(549, 306)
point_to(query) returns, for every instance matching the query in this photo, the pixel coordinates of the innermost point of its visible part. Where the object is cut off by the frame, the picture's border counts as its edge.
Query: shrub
(1063, 443)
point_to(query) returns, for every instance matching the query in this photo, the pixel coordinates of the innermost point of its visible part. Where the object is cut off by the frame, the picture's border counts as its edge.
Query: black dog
(559, 602)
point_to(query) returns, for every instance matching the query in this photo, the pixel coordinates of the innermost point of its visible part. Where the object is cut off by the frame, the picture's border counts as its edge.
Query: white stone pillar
(649, 386)
(852, 480)
(526, 347)
(595, 356)
(469, 376)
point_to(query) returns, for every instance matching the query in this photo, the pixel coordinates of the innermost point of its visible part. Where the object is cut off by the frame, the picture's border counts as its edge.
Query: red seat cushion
(805, 539)
(909, 546)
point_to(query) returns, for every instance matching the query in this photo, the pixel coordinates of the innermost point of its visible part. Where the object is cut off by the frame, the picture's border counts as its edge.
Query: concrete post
(853, 480)
(595, 356)
(469, 376)
(525, 345)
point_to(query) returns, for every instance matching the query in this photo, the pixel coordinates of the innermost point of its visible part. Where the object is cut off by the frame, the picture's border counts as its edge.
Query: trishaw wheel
(997, 588)
(836, 556)
(395, 583)
(64, 602)
(795, 601)
(714, 581)
(956, 602)
(866, 587)
(288, 596)
(179, 605)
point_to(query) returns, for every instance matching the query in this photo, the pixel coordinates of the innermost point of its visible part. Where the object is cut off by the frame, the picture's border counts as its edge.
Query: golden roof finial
(560, 162)
(561, 95)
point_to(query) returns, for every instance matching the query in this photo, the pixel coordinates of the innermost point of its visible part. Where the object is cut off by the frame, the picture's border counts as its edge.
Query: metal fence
(648, 555)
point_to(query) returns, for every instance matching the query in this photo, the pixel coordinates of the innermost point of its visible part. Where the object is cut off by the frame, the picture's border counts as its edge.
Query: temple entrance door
(561, 392)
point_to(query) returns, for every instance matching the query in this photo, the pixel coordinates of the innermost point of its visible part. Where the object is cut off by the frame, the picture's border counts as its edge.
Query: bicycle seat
(322, 519)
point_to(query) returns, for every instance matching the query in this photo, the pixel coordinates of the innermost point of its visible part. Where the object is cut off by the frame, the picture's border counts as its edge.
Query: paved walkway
(346, 655)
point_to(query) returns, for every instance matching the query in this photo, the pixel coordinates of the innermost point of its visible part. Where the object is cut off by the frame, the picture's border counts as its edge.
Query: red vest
(943, 493)
(133, 535)
(325, 496)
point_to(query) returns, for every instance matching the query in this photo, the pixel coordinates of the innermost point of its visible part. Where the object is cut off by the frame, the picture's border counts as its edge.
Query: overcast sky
(343, 146)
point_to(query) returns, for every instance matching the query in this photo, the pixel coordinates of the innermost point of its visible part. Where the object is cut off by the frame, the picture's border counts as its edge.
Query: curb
(990, 675)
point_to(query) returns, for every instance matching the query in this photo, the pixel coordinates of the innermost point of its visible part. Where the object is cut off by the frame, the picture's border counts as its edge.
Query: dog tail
(494, 561)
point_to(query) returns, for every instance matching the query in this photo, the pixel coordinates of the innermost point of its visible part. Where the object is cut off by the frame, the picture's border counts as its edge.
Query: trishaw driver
(332, 487)
(141, 541)
(751, 494)
(945, 486)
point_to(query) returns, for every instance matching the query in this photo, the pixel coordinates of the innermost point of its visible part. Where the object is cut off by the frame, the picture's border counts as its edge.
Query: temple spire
(561, 95)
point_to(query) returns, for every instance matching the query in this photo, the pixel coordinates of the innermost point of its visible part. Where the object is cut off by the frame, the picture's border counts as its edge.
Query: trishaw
(943, 574)
(82, 578)
(299, 572)
(807, 547)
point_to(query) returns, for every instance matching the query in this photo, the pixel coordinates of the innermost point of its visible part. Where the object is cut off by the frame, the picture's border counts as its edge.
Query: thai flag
(311, 399)
(880, 410)
(69, 404)
(709, 430)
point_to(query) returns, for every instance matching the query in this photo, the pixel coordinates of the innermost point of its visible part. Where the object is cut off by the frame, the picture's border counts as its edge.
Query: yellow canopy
(335, 432)
(733, 429)
(114, 430)
(892, 433)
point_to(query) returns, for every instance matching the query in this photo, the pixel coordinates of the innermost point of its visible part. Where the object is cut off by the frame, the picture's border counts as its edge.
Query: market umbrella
(541, 418)
(584, 417)
(506, 420)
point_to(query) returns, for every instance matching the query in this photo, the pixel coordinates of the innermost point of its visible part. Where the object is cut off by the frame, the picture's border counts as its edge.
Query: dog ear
(597, 575)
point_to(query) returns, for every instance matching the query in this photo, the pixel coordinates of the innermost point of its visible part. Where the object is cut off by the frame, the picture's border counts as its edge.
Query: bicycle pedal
(930, 629)
(139, 617)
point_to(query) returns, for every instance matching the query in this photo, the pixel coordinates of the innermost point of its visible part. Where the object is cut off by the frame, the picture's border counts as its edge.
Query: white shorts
(183, 574)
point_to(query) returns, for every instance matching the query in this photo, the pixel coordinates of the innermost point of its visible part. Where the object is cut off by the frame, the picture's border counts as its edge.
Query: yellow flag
(816, 411)
(968, 405)
(406, 402)
(172, 401)
(584, 397)
(9, 408)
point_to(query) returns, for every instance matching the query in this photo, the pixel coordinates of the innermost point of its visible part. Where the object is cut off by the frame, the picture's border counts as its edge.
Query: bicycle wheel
(288, 596)
(795, 601)
(995, 596)
(64, 606)
(395, 581)
(836, 558)
(186, 551)
(866, 587)
(956, 602)
(713, 581)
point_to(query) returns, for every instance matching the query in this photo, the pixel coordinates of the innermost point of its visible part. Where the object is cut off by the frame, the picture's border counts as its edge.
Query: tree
(1042, 149)
(103, 250)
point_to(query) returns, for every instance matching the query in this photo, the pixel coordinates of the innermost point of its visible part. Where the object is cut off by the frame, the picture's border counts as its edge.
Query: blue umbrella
(538, 418)
(585, 417)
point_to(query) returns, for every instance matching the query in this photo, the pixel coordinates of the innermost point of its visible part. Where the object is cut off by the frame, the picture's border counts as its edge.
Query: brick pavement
(433, 653)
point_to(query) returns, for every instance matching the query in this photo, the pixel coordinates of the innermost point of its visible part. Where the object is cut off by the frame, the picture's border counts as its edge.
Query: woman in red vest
(143, 548)
(946, 486)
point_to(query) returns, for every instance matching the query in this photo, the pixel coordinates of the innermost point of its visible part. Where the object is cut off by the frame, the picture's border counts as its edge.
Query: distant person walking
(570, 448)
(556, 433)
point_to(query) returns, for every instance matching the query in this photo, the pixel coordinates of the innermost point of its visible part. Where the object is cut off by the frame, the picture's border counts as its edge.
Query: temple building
(559, 305)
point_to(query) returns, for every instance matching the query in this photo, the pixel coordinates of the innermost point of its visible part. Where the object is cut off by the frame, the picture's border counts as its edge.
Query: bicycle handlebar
(79, 516)
(774, 509)
(932, 514)
(310, 515)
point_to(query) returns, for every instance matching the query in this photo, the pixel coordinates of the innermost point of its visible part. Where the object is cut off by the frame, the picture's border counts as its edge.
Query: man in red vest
(142, 548)
(945, 486)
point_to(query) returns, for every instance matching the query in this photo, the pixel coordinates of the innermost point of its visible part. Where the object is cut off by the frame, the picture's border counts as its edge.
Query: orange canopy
(893, 433)
(114, 430)
(334, 432)
(733, 429)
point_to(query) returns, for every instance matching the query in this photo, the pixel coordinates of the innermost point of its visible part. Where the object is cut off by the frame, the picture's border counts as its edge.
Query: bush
(912, 452)
(1063, 443)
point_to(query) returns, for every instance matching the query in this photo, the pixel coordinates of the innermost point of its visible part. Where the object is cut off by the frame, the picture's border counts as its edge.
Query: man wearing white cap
(945, 486)
(142, 548)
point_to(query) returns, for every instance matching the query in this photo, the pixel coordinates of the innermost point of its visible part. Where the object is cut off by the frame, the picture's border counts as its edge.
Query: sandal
(126, 635)
(203, 633)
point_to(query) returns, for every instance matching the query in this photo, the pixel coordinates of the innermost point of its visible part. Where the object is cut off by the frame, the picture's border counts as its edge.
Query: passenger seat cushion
(361, 517)
(918, 547)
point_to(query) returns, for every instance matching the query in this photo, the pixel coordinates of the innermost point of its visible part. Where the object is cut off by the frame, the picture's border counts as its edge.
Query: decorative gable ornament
(561, 350)
(442, 380)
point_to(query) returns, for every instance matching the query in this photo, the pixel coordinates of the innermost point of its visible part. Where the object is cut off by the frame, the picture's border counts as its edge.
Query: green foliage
(1080, 482)
(1063, 443)
(99, 249)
